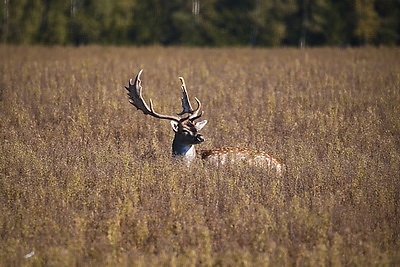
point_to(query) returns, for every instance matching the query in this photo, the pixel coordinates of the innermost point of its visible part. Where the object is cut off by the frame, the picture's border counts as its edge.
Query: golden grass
(85, 179)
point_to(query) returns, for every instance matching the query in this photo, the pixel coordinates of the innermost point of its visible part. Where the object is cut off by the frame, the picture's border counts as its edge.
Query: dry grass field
(87, 180)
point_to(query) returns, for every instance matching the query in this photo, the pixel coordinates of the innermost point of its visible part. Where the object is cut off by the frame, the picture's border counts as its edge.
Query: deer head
(185, 128)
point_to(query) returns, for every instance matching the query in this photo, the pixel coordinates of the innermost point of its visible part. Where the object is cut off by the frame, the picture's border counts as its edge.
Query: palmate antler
(187, 107)
(136, 99)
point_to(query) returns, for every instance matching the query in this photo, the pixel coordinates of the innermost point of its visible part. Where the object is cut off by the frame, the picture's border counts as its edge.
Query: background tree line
(201, 22)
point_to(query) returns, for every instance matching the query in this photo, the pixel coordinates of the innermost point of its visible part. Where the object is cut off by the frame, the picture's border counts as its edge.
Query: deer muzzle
(199, 139)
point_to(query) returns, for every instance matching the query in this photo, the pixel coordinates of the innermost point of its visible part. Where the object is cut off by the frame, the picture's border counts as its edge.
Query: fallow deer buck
(187, 132)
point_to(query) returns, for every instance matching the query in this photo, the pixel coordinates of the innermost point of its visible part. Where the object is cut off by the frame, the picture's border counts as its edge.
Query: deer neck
(187, 151)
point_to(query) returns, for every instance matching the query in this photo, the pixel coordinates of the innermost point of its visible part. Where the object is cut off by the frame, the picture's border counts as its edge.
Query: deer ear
(174, 125)
(201, 124)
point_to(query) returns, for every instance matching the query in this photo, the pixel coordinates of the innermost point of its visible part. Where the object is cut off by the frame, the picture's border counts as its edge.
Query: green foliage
(22, 21)
(55, 23)
(201, 22)
(366, 20)
(388, 12)
(268, 22)
(87, 180)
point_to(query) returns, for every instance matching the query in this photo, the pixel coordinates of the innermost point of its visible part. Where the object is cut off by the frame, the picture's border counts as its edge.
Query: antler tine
(193, 118)
(196, 114)
(136, 99)
(187, 107)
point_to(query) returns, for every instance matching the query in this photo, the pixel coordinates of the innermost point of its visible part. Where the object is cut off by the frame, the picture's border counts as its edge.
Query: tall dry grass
(85, 179)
